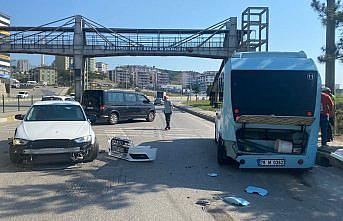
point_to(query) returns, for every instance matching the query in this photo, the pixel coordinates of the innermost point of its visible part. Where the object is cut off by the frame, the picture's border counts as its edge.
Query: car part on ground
(257, 190)
(236, 201)
(123, 148)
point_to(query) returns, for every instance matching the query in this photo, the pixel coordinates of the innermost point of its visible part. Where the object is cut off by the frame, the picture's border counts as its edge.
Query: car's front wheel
(14, 157)
(113, 119)
(92, 154)
(151, 116)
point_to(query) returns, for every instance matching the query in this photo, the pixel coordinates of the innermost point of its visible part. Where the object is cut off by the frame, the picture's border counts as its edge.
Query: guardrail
(16, 104)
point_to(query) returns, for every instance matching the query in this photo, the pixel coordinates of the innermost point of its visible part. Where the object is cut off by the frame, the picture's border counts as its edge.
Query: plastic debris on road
(236, 201)
(212, 174)
(203, 202)
(123, 148)
(258, 190)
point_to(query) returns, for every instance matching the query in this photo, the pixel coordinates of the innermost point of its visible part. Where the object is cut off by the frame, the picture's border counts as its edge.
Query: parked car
(23, 94)
(54, 128)
(72, 95)
(158, 101)
(115, 105)
(57, 98)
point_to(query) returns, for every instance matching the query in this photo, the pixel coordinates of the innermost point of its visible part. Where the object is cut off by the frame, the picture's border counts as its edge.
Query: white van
(270, 112)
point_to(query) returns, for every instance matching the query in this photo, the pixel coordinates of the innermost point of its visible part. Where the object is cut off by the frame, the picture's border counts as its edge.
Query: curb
(198, 114)
(6, 119)
(326, 158)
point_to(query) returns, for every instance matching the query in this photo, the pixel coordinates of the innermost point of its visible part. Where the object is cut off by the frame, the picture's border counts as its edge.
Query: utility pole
(330, 54)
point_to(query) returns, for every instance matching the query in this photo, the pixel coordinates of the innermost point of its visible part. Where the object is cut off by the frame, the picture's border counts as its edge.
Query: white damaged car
(52, 128)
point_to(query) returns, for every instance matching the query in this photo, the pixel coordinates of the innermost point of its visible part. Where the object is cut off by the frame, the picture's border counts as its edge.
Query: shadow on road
(181, 163)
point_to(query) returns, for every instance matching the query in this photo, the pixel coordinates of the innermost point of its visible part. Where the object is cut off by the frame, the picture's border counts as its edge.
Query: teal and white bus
(270, 110)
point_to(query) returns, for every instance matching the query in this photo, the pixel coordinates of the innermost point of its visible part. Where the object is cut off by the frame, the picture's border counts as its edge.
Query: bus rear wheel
(221, 153)
(222, 159)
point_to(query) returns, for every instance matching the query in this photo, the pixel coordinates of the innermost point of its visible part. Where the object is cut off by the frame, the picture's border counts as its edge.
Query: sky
(294, 26)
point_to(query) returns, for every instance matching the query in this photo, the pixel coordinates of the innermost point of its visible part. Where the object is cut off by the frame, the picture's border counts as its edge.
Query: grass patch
(339, 113)
(204, 105)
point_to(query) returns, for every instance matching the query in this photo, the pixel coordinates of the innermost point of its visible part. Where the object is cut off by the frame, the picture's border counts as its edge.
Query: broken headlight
(84, 139)
(19, 141)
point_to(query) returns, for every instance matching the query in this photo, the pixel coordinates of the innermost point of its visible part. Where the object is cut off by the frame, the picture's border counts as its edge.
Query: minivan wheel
(113, 119)
(151, 116)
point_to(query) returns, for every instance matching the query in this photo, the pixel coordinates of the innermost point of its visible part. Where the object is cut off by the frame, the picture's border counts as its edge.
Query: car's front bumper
(51, 150)
(51, 147)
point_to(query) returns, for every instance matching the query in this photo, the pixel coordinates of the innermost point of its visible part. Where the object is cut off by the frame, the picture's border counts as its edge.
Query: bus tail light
(236, 111)
(309, 114)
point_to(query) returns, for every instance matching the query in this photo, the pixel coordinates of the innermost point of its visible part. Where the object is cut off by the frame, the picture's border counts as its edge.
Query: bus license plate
(271, 163)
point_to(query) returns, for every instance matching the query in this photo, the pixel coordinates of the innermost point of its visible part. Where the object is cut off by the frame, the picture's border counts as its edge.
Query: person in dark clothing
(325, 111)
(168, 110)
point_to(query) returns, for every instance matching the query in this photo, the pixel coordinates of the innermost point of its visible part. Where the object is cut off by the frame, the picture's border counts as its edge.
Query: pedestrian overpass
(80, 37)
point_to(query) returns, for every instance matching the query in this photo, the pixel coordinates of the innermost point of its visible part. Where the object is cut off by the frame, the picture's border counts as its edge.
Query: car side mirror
(91, 118)
(19, 117)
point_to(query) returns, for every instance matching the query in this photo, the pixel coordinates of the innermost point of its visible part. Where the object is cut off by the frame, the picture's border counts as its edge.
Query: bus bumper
(275, 161)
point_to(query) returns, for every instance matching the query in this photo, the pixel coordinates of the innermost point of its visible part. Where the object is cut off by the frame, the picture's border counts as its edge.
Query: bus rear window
(273, 92)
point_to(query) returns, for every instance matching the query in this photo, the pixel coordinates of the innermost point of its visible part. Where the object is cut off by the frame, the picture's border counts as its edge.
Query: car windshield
(22, 92)
(55, 113)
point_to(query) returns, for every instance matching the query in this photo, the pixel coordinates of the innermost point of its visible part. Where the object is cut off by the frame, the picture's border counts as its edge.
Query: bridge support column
(79, 60)
(79, 63)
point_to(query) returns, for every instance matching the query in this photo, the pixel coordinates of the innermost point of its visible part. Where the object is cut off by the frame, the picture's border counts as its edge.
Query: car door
(131, 104)
(115, 102)
(144, 105)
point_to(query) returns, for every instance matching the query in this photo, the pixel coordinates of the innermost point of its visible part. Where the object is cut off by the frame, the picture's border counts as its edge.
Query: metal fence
(9, 104)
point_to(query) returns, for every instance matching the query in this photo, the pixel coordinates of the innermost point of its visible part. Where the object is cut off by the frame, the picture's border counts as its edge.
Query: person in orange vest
(326, 110)
(331, 117)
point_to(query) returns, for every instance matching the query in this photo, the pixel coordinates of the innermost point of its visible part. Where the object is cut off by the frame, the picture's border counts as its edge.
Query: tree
(196, 90)
(323, 12)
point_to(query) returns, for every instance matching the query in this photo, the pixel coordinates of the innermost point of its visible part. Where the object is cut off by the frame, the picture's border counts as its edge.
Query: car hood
(53, 130)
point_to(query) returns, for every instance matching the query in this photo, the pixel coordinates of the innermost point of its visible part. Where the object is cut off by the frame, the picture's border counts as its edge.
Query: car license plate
(90, 108)
(271, 162)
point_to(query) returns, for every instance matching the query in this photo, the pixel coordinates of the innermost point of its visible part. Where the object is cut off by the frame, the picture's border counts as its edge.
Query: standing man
(331, 117)
(168, 110)
(325, 111)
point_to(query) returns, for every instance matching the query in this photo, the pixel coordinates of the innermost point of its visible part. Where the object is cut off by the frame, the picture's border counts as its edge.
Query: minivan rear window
(92, 98)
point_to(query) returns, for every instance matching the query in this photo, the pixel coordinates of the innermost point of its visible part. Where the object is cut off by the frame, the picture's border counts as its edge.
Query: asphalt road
(166, 189)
